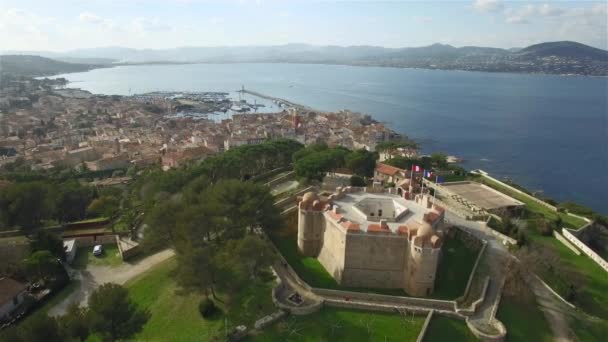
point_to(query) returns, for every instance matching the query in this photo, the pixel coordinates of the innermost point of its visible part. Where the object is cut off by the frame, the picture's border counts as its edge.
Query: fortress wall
(375, 260)
(421, 271)
(310, 232)
(332, 250)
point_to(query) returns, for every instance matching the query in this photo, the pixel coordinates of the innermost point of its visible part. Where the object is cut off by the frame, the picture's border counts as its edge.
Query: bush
(357, 181)
(206, 307)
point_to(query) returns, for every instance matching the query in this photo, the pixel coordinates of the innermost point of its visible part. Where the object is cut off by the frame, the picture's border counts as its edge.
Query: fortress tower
(424, 252)
(311, 224)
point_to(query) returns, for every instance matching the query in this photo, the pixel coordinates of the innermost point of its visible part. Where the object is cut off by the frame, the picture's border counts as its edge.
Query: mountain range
(552, 57)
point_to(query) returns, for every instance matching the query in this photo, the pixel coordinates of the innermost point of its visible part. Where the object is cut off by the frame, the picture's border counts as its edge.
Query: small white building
(12, 294)
(69, 247)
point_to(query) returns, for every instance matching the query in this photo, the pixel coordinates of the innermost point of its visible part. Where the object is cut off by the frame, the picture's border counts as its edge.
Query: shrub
(206, 307)
(357, 181)
(545, 227)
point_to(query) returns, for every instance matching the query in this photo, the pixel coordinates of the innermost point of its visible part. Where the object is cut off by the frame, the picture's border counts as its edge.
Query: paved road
(93, 276)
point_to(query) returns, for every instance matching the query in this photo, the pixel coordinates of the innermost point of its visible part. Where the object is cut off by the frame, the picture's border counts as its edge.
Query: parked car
(98, 250)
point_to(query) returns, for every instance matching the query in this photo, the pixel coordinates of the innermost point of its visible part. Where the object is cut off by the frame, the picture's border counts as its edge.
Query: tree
(75, 323)
(39, 328)
(26, 204)
(113, 315)
(361, 162)
(357, 181)
(41, 264)
(72, 201)
(45, 241)
(439, 160)
(105, 206)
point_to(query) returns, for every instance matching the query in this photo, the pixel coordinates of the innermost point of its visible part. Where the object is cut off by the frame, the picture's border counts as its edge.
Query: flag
(428, 174)
(439, 180)
(416, 168)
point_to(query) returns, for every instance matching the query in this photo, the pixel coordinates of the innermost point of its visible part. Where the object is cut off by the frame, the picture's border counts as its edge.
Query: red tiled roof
(431, 217)
(376, 228)
(403, 230)
(350, 225)
(387, 169)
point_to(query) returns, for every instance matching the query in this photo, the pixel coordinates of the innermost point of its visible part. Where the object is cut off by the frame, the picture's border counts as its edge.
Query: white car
(97, 250)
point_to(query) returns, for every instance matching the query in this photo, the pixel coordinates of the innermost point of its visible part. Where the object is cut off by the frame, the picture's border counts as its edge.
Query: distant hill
(548, 58)
(25, 65)
(565, 49)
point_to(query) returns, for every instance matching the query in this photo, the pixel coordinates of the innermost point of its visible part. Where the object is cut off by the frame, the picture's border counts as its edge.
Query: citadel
(373, 240)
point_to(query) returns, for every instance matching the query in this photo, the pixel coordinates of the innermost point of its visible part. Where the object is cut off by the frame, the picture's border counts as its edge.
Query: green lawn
(331, 324)
(444, 328)
(454, 270)
(175, 315)
(524, 321)
(110, 257)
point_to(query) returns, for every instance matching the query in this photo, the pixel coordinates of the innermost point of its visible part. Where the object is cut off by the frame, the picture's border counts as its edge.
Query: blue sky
(69, 24)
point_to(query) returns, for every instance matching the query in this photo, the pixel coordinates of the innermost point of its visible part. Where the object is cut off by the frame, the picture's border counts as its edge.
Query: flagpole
(422, 183)
(435, 190)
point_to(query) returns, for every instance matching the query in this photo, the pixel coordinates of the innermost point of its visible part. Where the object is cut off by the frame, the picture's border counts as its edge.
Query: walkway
(94, 276)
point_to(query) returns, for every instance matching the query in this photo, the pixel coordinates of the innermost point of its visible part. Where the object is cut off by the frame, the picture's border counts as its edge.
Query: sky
(60, 25)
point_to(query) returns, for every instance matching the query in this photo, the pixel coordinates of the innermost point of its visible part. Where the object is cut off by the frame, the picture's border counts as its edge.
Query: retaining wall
(583, 247)
(566, 243)
(385, 299)
(425, 326)
(281, 179)
(87, 241)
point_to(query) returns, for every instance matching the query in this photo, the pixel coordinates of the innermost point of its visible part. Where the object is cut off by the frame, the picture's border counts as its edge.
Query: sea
(547, 133)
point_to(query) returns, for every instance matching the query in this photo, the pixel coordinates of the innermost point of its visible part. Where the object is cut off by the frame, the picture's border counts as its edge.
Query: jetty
(281, 102)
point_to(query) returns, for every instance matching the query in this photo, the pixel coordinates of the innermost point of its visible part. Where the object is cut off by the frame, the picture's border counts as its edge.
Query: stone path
(94, 276)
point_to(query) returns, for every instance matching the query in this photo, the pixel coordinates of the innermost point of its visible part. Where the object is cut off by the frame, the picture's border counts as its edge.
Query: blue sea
(547, 133)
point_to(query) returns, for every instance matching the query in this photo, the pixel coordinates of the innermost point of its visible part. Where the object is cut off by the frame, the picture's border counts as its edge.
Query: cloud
(516, 20)
(88, 17)
(422, 19)
(145, 25)
(488, 5)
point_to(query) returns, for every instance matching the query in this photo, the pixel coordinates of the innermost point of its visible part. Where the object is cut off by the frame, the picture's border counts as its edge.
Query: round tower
(311, 224)
(424, 252)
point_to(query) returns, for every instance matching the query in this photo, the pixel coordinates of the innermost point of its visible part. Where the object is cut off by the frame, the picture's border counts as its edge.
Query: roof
(9, 288)
(387, 169)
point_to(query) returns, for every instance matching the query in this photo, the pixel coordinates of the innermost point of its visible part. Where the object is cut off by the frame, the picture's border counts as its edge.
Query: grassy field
(110, 257)
(175, 315)
(589, 330)
(592, 296)
(331, 324)
(454, 270)
(452, 275)
(444, 328)
(524, 321)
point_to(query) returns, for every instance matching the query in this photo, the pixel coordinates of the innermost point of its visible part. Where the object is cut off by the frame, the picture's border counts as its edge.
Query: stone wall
(288, 176)
(333, 249)
(87, 241)
(585, 249)
(446, 305)
(375, 260)
(566, 243)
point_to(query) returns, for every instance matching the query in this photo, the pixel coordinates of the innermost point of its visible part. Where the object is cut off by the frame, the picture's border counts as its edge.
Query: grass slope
(454, 269)
(331, 324)
(524, 321)
(444, 328)
(175, 315)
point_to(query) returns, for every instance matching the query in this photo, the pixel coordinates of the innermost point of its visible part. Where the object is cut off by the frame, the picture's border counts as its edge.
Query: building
(12, 294)
(373, 240)
(69, 246)
(385, 173)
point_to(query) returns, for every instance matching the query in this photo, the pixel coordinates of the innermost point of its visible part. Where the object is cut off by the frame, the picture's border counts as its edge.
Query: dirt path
(556, 312)
(93, 276)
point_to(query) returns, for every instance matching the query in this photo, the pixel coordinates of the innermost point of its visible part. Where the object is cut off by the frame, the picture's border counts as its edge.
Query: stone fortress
(373, 240)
